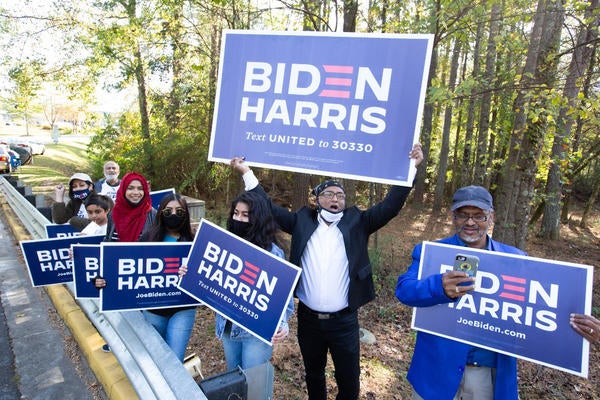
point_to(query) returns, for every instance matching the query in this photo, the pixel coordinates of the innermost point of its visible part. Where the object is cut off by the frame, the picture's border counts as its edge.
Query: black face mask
(173, 221)
(240, 228)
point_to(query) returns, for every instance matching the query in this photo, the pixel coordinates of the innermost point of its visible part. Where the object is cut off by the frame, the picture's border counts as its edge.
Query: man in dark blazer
(330, 244)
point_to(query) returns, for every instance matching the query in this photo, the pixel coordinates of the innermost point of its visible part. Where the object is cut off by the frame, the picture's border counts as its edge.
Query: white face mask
(110, 177)
(331, 217)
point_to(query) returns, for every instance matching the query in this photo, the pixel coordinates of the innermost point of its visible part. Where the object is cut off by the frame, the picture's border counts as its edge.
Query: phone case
(466, 263)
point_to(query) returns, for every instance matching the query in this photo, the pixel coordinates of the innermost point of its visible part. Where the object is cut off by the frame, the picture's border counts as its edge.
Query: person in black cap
(330, 244)
(442, 368)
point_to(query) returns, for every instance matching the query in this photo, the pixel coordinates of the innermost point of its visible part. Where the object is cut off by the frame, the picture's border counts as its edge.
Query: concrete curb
(104, 365)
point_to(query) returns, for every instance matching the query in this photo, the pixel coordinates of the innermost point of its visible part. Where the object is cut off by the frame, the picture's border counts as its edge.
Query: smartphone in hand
(468, 264)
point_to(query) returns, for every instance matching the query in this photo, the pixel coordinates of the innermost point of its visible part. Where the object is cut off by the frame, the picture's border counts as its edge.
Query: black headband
(324, 185)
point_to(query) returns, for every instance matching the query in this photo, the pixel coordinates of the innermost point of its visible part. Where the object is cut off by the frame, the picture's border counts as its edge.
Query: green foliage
(172, 47)
(26, 79)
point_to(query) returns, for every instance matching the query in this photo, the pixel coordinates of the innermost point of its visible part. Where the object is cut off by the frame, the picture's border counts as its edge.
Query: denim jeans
(245, 351)
(175, 329)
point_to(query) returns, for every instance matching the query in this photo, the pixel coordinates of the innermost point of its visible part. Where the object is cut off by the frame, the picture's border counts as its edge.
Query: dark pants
(338, 335)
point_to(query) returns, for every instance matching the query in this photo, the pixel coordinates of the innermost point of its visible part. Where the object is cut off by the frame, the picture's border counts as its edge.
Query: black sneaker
(106, 348)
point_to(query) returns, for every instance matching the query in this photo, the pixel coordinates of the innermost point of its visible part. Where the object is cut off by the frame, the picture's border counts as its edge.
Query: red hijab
(129, 219)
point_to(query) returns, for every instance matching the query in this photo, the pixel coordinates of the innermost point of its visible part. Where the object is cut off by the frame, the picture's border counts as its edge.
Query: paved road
(34, 344)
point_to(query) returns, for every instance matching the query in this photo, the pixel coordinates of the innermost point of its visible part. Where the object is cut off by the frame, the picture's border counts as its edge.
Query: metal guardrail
(152, 368)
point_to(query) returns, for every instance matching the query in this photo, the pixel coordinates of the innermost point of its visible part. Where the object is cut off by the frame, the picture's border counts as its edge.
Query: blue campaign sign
(49, 260)
(60, 231)
(242, 282)
(520, 306)
(142, 275)
(86, 266)
(157, 196)
(323, 110)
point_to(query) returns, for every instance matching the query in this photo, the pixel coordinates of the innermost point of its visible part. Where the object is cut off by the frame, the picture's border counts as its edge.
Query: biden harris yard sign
(157, 195)
(520, 306)
(338, 104)
(60, 231)
(49, 260)
(142, 276)
(86, 266)
(244, 283)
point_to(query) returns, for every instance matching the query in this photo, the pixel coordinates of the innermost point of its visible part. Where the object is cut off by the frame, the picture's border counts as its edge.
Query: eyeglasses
(464, 217)
(167, 212)
(330, 195)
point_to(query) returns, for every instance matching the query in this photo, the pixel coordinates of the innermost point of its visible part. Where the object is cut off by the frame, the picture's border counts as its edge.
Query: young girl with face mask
(80, 187)
(172, 225)
(250, 218)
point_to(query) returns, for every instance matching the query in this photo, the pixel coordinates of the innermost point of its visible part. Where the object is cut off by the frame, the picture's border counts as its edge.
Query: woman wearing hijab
(133, 213)
(131, 216)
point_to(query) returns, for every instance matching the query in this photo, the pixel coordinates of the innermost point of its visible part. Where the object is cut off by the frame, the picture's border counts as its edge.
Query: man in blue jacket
(330, 244)
(444, 369)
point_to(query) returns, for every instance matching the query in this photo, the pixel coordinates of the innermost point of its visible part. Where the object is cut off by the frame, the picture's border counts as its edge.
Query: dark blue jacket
(356, 226)
(438, 363)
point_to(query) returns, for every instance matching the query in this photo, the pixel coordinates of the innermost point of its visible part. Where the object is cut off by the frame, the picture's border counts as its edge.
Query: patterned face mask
(81, 194)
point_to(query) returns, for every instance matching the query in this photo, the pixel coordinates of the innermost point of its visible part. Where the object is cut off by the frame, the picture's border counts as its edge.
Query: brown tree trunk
(457, 160)
(587, 85)
(580, 60)
(175, 31)
(144, 118)
(427, 128)
(517, 184)
(443, 158)
(589, 205)
(350, 10)
(466, 172)
(480, 170)
(300, 189)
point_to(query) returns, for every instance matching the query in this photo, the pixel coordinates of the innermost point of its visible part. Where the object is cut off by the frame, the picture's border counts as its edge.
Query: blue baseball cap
(474, 196)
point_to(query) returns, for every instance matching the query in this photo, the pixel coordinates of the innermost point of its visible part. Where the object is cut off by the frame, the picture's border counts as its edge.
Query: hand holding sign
(283, 110)
(244, 283)
(417, 153)
(587, 326)
(452, 282)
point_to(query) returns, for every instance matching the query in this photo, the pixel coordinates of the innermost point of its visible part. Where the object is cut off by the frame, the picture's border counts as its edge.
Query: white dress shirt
(324, 280)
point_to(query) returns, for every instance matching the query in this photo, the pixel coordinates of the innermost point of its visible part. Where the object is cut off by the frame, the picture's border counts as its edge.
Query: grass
(56, 165)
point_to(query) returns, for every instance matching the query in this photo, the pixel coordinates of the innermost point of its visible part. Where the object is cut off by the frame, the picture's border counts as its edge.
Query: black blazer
(356, 226)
